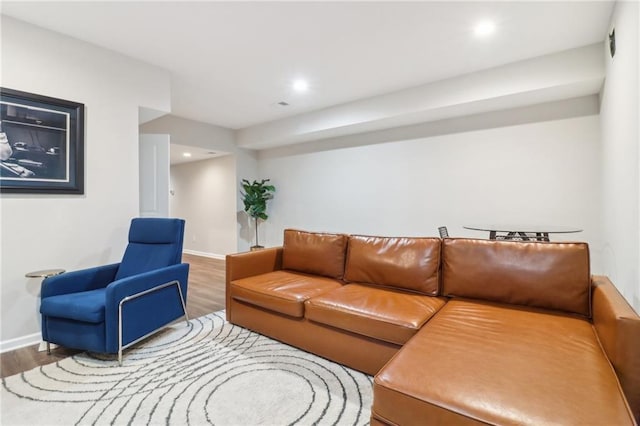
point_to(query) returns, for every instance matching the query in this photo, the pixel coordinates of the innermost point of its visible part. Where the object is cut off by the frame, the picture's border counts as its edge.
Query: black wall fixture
(612, 42)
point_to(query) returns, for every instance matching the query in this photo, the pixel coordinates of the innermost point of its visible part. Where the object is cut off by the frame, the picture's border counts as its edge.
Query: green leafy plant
(255, 196)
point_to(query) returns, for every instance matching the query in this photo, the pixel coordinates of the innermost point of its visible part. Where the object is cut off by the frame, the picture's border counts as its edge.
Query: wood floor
(205, 295)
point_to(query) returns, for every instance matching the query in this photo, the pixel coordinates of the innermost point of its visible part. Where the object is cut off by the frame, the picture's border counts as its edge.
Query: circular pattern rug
(209, 372)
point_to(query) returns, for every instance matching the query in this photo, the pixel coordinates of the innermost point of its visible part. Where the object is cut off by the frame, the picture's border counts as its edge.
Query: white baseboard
(204, 254)
(20, 342)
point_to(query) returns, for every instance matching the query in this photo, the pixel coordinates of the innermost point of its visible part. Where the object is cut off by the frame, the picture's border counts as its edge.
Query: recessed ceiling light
(186, 154)
(484, 28)
(300, 85)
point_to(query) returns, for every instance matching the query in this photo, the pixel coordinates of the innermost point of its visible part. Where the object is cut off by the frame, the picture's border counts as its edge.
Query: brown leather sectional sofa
(456, 331)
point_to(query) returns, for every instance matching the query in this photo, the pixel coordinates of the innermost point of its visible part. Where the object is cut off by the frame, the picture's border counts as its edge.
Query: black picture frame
(45, 140)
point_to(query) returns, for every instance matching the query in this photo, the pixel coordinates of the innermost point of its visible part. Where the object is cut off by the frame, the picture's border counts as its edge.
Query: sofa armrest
(618, 328)
(76, 281)
(249, 264)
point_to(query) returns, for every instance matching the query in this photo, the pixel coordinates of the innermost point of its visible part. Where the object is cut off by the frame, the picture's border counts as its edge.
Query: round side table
(45, 273)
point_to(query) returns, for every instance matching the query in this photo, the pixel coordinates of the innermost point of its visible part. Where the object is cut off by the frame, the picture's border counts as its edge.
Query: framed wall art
(41, 144)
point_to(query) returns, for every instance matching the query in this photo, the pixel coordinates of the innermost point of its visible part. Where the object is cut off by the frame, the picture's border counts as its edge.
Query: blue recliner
(108, 308)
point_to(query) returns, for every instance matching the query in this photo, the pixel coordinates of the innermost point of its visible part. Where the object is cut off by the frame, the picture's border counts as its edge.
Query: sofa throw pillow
(402, 262)
(314, 252)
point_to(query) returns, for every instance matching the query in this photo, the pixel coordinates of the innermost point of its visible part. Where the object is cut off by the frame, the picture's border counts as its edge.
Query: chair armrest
(118, 290)
(249, 264)
(147, 312)
(81, 280)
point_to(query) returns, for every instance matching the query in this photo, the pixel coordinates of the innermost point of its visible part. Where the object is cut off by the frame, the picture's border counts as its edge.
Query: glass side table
(44, 273)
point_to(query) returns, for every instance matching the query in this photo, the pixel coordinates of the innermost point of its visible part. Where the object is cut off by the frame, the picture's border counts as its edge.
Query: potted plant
(255, 195)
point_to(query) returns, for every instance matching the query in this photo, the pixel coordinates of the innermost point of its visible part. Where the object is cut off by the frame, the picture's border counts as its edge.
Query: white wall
(539, 173)
(246, 168)
(72, 232)
(203, 135)
(192, 133)
(620, 118)
(204, 194)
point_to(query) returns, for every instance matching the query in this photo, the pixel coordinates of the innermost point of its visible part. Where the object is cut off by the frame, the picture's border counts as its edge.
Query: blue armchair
(108, 308)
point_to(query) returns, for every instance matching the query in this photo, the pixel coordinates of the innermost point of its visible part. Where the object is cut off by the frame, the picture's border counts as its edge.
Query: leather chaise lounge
(456, 331)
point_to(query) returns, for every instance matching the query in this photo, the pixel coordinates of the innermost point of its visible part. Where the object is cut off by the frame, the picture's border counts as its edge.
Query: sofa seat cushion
(496, 364)
(281, 291)
(87, 306)
(384, 314)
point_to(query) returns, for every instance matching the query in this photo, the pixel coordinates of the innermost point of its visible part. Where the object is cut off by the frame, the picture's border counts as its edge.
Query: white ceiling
(231, 62)
(177, 154)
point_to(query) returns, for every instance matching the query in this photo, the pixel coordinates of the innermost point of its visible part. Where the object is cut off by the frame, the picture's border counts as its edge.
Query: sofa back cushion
(545, 275)
(405, 263)
(314, 252)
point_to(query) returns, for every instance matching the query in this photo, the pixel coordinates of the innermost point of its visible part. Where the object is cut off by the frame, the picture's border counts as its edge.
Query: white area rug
(210, 372)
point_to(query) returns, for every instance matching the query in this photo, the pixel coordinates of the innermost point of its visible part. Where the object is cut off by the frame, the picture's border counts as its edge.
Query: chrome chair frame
(135, 296)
